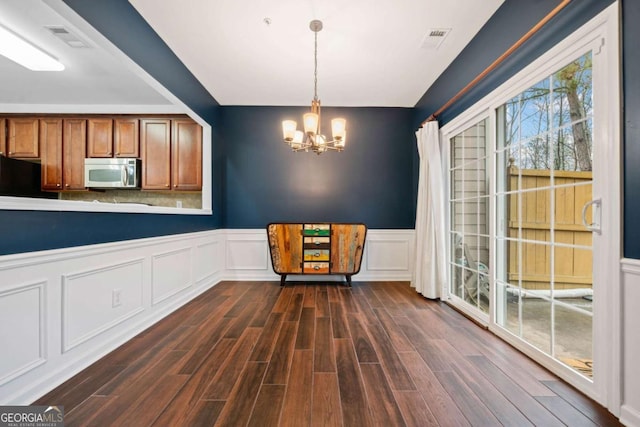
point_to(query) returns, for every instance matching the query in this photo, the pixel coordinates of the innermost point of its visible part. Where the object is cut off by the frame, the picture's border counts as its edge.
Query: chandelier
(312, 139)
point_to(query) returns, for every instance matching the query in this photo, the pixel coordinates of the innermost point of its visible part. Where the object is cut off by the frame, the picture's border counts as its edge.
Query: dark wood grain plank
(391, 362)
(471, 406)
(440, 403)
(310, 296)
(278, 370)
(226, 377)
(187, 398)
(245, 392)
(414, 410)
(296, 409)
(205, 414)
(322, 303)
(383, 405)
(338, 320)
(326, 410)
(398, 338)
(85, 413)
(267, 341)
(597, 413)
(283, 300)
(266, 411)
(361, 342)
(355, 408)
(306, 328)
(294, 309)
(265, 310)
(565, 412)
(525, 403)
(146, 409)
(324, 355)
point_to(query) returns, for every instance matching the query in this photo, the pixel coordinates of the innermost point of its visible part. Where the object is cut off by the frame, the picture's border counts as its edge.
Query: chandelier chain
(315, 68)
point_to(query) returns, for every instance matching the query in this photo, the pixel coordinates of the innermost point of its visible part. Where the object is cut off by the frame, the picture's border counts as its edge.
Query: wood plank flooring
(376, 354)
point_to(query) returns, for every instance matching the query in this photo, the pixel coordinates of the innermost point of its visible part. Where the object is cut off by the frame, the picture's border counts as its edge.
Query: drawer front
(315, 268)
(316, 255)
(317, 242)
(317, 230)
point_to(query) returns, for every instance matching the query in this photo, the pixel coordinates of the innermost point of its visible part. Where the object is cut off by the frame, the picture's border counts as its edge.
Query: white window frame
(600, 35)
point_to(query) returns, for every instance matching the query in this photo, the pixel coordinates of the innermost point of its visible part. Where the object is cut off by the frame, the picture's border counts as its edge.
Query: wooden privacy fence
(572, 267)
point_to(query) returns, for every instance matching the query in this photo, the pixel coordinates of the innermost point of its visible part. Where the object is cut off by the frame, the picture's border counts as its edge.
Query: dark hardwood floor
(377, 354)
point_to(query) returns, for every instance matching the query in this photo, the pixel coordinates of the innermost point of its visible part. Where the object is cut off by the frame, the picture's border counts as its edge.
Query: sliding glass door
(544, 251)
(534, 210)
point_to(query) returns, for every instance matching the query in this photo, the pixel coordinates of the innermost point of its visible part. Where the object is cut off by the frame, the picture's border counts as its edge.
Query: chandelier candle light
(311, 138)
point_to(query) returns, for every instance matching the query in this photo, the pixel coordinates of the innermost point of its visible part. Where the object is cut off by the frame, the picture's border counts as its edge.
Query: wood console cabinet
(319, 248)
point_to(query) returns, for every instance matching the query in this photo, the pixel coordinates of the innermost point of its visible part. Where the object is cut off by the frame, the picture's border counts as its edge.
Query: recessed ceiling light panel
(24, 53)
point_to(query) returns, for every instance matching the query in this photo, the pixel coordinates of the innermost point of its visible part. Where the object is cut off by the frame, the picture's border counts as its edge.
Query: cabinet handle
(10, 153)
(67, 185)
(58, 185)
(317, 254)
(316, 267)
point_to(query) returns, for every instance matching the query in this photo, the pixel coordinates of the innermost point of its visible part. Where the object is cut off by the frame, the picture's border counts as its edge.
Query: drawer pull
(316, 267)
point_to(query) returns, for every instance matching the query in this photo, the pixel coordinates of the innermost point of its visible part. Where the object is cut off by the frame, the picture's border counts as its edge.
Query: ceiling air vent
(66, 36)
(434, 38)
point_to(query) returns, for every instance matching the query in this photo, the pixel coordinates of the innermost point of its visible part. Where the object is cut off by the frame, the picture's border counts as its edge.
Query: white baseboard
(75, 305)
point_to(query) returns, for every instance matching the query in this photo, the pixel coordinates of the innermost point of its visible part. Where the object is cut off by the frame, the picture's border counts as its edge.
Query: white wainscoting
(630, 408)
(63, 309)
(388, 255)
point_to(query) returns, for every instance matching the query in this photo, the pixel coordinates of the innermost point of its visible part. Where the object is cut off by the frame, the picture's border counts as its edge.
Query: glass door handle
(595, 215)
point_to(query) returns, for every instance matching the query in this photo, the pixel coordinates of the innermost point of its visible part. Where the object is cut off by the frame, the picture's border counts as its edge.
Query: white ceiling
(370, 52)
(92, 75)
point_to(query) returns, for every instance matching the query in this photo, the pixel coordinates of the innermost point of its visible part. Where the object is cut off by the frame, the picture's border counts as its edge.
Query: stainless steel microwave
(112, 173)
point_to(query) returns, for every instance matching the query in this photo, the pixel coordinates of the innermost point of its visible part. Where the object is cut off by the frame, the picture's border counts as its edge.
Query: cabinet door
(3, 137)
(186, 155)
(285, 246)
(23, 138)
(74, 150)
(51, 159)
(347, 245)
(100, 138)
(155, 144)
(126, 138)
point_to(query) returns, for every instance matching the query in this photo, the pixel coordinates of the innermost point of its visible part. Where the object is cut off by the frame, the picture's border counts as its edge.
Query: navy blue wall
(371, 181)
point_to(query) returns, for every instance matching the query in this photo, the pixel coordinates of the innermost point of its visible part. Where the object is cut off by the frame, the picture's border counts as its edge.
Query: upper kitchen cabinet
(126, 137)
(3, 137)
(22, 140)
(100, 137)
(171, 151)
(74, 150)
(155, 147)
(63, 145)
(51, 159)
(186, 155)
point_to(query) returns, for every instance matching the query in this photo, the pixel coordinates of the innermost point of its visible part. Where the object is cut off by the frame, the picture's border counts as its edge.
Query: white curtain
(430, 254)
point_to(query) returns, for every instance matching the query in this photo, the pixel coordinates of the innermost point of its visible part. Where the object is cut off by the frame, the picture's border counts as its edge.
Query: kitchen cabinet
(126, 138)
(186, 155)
(155, 147)
(3, 137)
(51, 156)
(74, 150)
(64, 145)
(171, 152)
(100, 137)
(22, 140)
